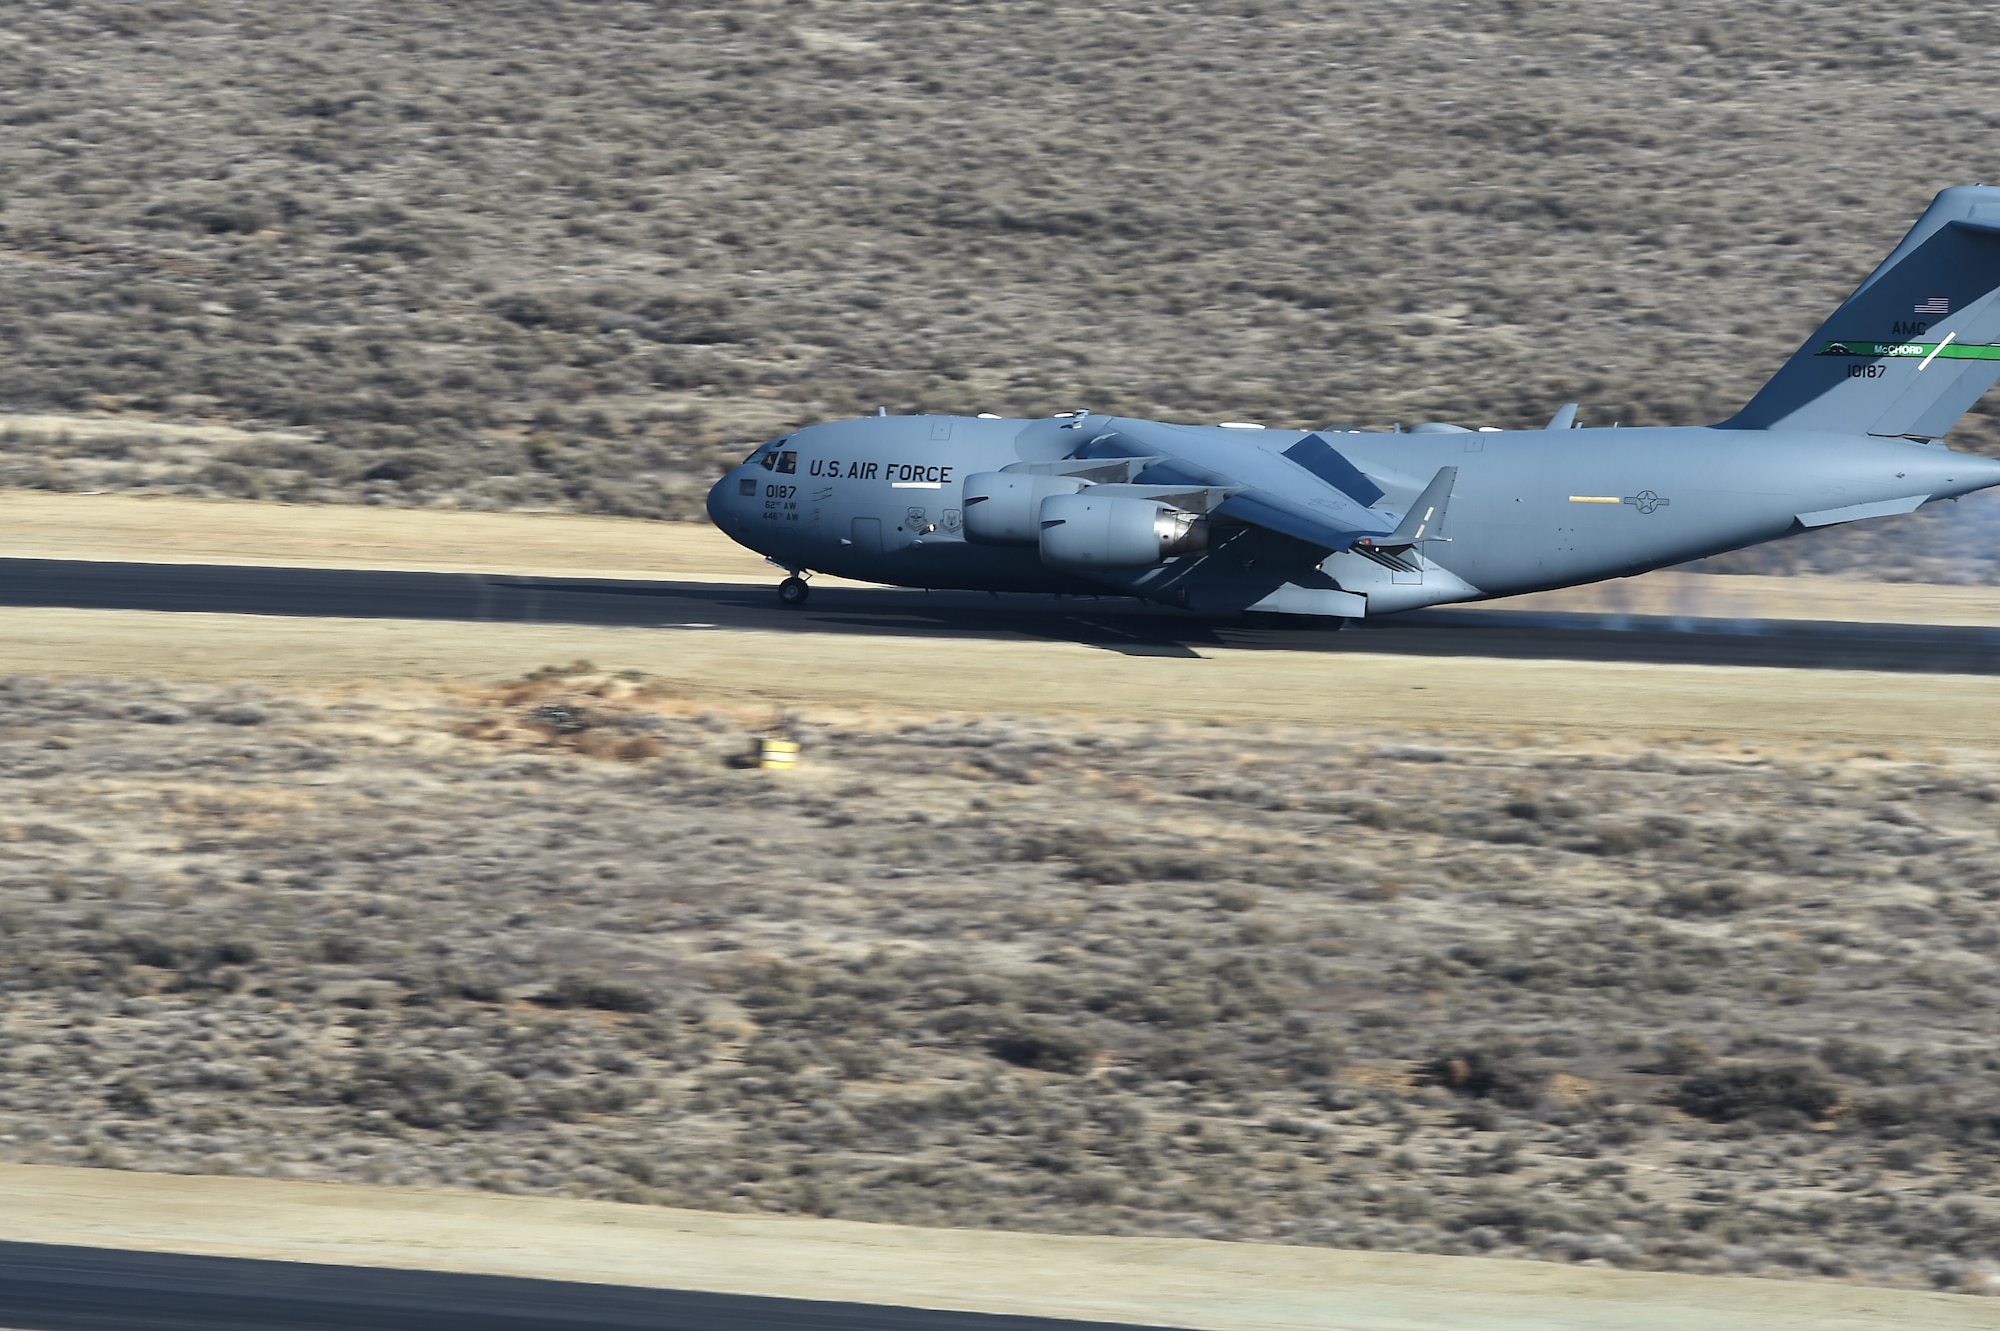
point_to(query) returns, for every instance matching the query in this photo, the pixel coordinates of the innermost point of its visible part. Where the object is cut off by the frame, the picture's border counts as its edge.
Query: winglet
(1564, 418)
(1424, 517)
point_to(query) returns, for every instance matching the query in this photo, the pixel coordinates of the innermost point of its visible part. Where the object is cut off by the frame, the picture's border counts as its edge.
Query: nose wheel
(793, 592)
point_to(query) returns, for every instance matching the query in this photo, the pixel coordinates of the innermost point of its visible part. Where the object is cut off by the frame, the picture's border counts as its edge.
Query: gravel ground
(582, 255)
(1694, 1006)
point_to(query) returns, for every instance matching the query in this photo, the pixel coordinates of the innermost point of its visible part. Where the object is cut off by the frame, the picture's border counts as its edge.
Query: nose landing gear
(792, 592)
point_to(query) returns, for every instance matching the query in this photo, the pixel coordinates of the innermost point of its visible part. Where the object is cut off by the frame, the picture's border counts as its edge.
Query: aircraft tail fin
(1915, 345)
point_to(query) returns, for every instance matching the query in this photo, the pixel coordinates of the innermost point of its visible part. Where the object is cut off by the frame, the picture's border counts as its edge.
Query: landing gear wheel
(793, 592)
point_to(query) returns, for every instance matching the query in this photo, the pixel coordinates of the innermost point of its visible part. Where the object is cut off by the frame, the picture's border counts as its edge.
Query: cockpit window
(766, 456)
(788, 462)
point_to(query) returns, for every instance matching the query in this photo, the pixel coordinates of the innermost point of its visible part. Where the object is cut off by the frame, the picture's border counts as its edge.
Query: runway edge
(1190, 1283)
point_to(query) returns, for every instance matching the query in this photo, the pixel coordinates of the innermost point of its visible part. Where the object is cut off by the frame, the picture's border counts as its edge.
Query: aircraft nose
(718, 500)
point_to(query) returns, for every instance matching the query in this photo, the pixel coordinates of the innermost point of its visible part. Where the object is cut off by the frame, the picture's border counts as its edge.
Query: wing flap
(1258, 509)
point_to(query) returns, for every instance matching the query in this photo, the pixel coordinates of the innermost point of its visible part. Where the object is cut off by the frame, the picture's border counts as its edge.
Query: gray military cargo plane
(1341, 523)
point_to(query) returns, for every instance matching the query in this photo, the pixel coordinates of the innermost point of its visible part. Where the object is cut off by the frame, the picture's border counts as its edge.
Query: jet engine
(1079, 531)
(1004, 507)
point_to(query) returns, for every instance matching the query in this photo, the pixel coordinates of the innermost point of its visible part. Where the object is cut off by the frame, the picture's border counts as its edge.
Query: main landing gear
(793, 591)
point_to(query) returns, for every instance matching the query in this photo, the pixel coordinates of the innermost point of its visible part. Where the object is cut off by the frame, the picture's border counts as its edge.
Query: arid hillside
(580, 254)
(1699, 1006)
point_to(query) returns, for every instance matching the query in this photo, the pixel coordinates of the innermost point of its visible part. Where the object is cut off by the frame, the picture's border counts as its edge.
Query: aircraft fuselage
(882, 499)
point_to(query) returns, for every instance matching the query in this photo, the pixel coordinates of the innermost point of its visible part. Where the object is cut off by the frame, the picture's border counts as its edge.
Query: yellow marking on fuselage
(1594, 499)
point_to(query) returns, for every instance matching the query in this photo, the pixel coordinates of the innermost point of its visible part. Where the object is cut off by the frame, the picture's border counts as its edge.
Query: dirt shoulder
(784, 671)
(164, 529)
(174, 530)
(1151, 1281)
(1705, 1004)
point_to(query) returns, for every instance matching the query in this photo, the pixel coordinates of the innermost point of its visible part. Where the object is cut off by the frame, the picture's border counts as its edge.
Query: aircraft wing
(1263, 509)
(1307, 491)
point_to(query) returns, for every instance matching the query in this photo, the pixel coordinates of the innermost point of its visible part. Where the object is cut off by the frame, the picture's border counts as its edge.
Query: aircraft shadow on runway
(1519, 635)
(1111, 624)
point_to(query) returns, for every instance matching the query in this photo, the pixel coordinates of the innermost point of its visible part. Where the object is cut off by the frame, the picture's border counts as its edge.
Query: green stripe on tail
(1917, 350)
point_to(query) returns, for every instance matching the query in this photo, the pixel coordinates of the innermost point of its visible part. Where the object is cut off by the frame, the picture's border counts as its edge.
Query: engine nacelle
(1079, 531)
(1004, 507)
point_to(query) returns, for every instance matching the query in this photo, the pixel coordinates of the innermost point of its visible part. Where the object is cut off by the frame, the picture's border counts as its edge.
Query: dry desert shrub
(581, 255)
(1688, 1006)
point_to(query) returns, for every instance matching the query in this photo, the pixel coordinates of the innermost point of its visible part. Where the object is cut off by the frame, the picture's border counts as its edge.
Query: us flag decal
(1935, 305)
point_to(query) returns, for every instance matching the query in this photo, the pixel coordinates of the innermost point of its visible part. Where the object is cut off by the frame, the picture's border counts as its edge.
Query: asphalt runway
(45, 1287)
(1111, 623)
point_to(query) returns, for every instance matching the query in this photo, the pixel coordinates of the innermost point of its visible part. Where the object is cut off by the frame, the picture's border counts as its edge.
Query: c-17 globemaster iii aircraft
(1343, 523)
